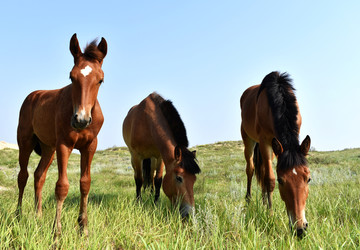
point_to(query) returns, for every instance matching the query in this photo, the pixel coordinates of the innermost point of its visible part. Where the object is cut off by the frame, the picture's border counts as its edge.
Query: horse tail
(37, 147)
(257, 163)
(146, 170)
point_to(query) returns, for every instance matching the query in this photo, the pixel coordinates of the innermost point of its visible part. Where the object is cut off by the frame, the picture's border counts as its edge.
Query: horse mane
(283, 105)
(189, 161)
(92, 53)
(291, 158)
(178, 130)
(173, 119)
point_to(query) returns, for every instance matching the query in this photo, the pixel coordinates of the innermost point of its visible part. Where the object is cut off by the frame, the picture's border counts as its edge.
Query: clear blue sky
(200, 54)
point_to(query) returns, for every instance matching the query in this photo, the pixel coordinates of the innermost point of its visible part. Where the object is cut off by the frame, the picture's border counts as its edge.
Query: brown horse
(155, 134)
(61, 120)
(270, 124)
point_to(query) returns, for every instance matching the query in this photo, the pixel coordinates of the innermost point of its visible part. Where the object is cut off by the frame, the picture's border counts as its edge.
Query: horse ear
(305, 145)
(178, 153)
(194, 153)
(74, 47)
(102, 46)
(277, 147)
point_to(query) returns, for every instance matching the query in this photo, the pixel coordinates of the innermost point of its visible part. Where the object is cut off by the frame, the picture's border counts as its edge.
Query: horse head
(293, 178)
(86, 77)
(178, 183)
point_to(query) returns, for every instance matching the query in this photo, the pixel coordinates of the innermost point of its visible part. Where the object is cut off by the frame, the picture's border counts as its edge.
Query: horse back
(143, 128)
(37, 116)
(256, 114)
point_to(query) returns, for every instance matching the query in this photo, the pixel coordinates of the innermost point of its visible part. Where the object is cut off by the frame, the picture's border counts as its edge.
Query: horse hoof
(84, 232)
(18, 213)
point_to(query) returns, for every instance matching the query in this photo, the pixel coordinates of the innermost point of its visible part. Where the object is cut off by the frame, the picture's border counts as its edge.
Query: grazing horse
(61, 120)
(270, 124)
(156, 135)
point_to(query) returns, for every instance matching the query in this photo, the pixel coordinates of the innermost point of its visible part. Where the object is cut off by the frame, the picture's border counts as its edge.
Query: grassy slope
(222, 218)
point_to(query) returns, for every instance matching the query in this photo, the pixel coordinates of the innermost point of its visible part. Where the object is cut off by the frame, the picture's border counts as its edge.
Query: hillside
(8, 145)
(222, 219)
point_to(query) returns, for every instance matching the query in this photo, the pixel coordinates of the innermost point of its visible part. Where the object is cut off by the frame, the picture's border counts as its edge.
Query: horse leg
(269, 177)
(137, 165)
(85, 181)
(152, 172)
(249, 154)
(25, 149)
(47, 156)
(158, 177)
(62, 185)
(147, 173)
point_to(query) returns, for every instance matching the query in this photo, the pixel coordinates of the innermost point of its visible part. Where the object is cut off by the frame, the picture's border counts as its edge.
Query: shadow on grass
(94, 198)
(107, 199)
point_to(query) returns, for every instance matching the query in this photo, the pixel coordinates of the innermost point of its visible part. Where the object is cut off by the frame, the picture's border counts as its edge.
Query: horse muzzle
(300, 232)
(80, 121)
(300, 226)
(186, 210)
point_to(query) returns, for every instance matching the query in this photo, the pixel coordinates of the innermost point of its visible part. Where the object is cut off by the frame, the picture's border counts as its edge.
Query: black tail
(146, 169)
(37, 147)
(257, 163)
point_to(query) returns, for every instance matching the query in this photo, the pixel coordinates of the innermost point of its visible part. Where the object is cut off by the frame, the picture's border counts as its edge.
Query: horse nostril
(299, 232)
(75, 117)
(90, 119)
(185, 216)
(306, 225)
(185, 211)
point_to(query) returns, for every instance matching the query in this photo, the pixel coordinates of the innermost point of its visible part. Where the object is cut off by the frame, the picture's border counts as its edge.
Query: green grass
(222, 221)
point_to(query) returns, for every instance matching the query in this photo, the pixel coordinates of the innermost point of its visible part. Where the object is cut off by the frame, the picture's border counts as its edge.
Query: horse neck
(64, 97)
(167, 154)
(165, 143)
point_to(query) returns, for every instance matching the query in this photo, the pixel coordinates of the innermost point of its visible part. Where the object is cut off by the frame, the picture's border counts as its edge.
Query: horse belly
(144, 147)
(44, 127)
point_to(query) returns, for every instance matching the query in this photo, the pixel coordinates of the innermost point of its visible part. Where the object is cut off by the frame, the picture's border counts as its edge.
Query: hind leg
(152, 172)
(136, 164)
(26, 146)
(249, 154)
(148, 174)
(47, 156)
(158, 177)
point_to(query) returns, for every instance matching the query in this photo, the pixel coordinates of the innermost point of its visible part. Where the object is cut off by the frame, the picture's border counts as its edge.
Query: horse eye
(179, 179)
(309, 180)
(101, 81)
(281, 182)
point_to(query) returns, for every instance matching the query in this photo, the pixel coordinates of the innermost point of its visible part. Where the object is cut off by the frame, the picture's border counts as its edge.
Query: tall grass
(222, 220)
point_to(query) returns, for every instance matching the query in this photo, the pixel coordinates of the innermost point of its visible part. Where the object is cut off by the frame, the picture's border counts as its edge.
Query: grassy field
(222, 219)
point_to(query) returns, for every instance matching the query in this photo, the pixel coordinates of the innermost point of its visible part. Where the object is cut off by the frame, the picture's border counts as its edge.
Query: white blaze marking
(294, 171)
(303, 217)
(291, 219)
(85, 71)
(82, 113)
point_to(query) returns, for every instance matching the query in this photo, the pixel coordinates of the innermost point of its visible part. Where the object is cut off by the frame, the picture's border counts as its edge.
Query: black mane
(290, 158)
(283, 105)
(178, 130)
(92, 52)
(189, 161)
(173, 119)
